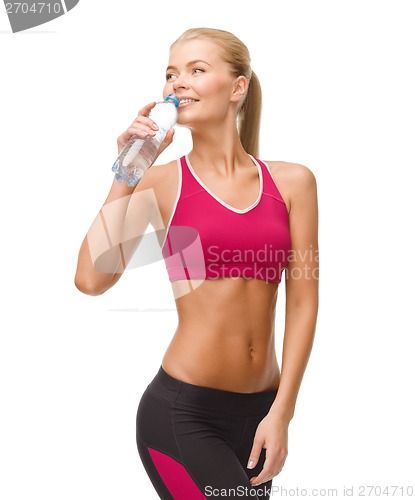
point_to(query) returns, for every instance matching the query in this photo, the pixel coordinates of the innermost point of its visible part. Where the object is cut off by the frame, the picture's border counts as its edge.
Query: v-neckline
(226, 205)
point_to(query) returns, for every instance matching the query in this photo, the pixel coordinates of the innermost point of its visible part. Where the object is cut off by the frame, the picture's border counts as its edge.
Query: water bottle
(138, 154)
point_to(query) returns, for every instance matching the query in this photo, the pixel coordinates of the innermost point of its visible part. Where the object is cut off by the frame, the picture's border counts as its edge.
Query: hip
(208, 401)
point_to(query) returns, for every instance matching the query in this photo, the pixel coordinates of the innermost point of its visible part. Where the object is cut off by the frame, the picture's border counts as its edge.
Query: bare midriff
(225, 336)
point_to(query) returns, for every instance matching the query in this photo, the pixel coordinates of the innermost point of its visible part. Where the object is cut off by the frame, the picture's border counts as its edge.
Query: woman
(214, 420)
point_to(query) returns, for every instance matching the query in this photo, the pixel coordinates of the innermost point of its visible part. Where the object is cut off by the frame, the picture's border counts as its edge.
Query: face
(203, 81)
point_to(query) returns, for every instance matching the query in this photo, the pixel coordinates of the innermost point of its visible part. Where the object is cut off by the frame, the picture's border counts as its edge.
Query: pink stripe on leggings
(175, 477)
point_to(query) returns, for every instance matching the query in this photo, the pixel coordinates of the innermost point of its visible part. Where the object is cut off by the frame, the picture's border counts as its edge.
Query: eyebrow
(190, 63)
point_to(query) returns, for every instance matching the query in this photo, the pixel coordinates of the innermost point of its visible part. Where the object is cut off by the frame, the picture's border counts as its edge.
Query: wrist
(284, 415)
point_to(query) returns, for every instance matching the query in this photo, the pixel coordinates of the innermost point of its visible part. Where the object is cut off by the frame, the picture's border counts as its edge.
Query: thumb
(169, 138)
(255, 453)
(166, 142)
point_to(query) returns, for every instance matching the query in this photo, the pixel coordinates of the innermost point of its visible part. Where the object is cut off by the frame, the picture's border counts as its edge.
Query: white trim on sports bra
(233, 209)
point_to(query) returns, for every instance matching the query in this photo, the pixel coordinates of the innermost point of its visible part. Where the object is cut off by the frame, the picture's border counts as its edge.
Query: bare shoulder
(157, 175)
(160, 178)
(292, 179)
(293, 172)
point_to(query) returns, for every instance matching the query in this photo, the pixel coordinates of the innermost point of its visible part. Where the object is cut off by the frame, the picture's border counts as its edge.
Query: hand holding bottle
(141, 144)
(143, 126)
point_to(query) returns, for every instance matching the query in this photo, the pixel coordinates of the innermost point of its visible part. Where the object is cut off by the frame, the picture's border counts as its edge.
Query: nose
(180, 83)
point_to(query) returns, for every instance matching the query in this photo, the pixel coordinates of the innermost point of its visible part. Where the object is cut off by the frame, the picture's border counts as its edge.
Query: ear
(240, 88)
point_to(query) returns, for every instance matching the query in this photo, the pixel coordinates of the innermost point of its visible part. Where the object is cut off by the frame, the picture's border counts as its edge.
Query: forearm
(299, 335)
(102, 256)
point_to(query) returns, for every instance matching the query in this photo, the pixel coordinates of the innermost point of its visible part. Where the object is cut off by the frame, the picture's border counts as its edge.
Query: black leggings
(195, 441)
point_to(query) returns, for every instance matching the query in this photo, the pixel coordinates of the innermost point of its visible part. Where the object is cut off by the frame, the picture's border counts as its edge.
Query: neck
(218, 146)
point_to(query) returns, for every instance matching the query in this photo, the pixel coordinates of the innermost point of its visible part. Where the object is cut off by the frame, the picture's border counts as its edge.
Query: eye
(169, 76)
(198, 70)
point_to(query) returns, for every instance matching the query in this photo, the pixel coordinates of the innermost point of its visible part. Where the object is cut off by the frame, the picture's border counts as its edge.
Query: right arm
(121, 222)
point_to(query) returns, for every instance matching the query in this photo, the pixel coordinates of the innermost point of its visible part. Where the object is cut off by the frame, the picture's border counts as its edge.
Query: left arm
(301, 282)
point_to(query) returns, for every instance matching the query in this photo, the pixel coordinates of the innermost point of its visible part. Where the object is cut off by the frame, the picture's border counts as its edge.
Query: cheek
(167, 89)
(211, 87)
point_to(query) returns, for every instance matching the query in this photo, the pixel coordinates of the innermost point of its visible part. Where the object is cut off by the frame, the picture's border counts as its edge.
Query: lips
(184, 101)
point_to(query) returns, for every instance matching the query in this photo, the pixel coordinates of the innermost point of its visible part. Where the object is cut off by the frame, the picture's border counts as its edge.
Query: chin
(191, 121)
(185, 122)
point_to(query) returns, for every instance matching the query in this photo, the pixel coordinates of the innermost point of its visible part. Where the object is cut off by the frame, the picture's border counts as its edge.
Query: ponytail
(249, 117)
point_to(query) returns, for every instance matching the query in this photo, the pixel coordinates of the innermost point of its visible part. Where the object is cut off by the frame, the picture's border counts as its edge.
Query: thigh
(152, 433)
(159, 451)
(207, 443)
(187, 455)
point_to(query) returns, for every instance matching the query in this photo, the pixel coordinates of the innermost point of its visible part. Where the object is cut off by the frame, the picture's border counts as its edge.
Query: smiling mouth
(184, 102)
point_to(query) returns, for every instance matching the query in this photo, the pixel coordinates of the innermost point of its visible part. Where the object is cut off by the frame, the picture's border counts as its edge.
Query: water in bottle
(138, 154)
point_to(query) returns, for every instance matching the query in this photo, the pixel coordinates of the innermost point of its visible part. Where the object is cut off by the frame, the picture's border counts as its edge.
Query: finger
(167, 141)
(145, 111)
(272, 466)
(145, 120)
(262, 477)
(169, 137)
(142, 131)
(255, 453)
(266, 472)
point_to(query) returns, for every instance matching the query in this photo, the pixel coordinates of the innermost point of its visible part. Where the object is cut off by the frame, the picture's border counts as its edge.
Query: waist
(176, 391)
(234, 359)
(227, 316)
(225, 336)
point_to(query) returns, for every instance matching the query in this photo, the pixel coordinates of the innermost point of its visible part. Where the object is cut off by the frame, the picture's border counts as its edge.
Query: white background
(338, 98)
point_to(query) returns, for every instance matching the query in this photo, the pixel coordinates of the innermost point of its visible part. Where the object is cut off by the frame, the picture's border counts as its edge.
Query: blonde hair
(237, 55)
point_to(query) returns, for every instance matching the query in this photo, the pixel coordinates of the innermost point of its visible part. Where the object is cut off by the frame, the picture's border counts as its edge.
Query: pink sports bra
(208, 239)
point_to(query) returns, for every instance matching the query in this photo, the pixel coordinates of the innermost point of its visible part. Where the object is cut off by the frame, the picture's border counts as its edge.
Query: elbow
(310, 305)
(87, 287)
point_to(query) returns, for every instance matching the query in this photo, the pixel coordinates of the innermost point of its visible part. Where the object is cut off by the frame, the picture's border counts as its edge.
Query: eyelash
(169, 75)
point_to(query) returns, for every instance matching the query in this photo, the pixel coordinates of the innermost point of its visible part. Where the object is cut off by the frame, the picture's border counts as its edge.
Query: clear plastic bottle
(138, 154)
